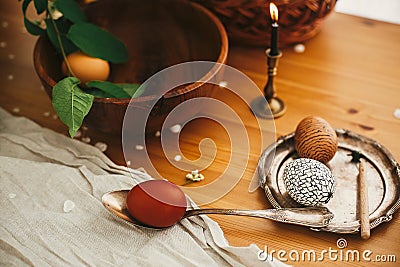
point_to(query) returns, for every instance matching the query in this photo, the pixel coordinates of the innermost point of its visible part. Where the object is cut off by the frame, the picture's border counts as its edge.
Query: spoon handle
(312, 217)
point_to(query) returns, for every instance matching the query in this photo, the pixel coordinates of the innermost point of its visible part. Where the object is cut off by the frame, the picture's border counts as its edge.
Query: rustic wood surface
(348, 74)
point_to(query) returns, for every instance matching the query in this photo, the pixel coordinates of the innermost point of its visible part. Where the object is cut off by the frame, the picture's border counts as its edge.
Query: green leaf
(109, 88)
(98, 93)
(97, 42)
(63, 27)
(139, 92)
(71, 10)
(31, 27)
(25, 5)
(133, 89)
(130, 88)
(71, 103)
(40, 5)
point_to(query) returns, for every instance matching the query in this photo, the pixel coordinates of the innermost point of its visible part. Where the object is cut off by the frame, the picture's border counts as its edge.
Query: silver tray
(382, 172)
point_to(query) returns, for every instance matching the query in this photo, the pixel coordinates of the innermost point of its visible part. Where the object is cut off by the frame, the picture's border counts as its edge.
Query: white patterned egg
(309, 182)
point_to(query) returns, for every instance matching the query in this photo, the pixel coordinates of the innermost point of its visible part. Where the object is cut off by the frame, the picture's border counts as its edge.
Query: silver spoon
(315, 217)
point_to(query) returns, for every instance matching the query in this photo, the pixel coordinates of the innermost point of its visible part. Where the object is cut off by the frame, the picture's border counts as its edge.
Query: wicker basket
(247, 21)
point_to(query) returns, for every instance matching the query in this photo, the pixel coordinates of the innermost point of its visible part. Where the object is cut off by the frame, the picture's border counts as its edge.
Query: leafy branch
(68, 33)
(70, 72)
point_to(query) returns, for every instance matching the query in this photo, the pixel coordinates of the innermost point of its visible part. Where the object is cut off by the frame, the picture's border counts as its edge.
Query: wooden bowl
(158, 34)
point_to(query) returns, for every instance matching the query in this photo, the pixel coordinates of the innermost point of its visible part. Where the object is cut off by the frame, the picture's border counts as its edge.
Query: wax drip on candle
(274, 29)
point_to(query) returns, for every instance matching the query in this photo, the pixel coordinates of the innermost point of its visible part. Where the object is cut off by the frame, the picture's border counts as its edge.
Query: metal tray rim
(271, 149)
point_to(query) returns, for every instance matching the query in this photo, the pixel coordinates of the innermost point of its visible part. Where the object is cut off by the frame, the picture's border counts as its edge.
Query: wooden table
(348, 74)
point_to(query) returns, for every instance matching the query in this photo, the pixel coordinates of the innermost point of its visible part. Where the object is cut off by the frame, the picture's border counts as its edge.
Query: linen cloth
(41, 171)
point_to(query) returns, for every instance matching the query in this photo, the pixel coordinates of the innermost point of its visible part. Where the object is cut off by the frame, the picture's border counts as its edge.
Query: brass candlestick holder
(273, 107)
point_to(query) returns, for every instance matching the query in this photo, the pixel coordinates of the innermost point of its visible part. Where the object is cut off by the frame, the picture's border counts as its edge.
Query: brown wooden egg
(315, 139)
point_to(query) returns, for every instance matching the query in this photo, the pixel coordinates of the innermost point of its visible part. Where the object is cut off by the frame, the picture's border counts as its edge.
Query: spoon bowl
(316, 217)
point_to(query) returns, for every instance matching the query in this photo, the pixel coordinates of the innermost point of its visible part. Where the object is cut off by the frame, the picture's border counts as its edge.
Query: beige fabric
(40, 170)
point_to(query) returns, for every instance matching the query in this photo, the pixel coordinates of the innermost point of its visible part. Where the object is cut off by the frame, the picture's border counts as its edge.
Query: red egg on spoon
(159, 204)
(156, 203)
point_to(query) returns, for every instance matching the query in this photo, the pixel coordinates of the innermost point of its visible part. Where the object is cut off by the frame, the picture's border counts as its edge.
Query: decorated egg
(316, 139)
(308, 182)
(156, 203)
(86, 68)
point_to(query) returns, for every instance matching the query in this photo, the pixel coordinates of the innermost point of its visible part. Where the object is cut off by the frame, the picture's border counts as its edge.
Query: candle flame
(273, 10)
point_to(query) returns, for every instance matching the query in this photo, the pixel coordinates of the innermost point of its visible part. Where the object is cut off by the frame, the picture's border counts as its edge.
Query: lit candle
(274, 29)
